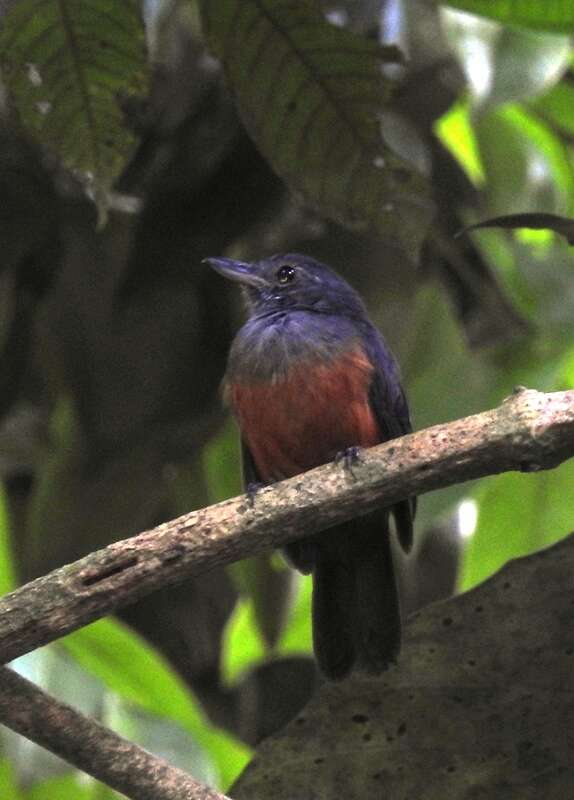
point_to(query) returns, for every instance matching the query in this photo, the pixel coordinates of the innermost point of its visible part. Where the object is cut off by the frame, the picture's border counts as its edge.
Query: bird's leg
(251, 490)
(349, 458)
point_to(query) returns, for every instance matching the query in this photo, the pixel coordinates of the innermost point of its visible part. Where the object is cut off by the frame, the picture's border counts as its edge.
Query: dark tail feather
(378, 615)
(333, 639)
(356, 615)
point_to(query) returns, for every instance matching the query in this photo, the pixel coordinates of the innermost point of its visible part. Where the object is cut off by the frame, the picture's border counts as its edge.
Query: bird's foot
(349, 458)
(251, 490)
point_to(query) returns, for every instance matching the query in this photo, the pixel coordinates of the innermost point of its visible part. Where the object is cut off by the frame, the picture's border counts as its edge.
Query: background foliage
(128, 152)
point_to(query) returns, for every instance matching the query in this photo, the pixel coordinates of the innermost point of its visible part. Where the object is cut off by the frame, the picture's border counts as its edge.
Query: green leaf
(517, 514)
(242, 646)
(311, 95)
(64, 787)
(7, 575)
(297, 636)
(526, 166)
(550, 15)
(456, 132)
(444, 381)
(506, 64)
(567, 367)
(137, 673)
(525, 64)
(556, 107)
(222, 463)
(64, 61)
(8, 787)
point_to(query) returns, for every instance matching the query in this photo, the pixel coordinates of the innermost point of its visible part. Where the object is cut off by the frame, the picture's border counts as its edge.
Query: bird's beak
(239, 271)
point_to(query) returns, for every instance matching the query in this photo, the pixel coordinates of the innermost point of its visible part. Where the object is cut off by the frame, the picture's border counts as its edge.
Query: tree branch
(530, 431)
(91, 747)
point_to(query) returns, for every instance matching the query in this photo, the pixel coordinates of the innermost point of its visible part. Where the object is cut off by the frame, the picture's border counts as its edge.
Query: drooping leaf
(551, 15)
(64, 62)
(311, 95)
(535, 221)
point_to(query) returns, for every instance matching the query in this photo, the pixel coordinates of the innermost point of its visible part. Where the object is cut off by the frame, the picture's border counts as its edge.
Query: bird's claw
(251, 490)
(349, 458)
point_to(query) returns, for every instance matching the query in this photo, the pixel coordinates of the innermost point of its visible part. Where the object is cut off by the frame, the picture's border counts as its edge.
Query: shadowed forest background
(137, 139)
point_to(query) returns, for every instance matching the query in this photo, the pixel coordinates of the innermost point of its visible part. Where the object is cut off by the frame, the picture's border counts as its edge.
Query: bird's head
(291, 281)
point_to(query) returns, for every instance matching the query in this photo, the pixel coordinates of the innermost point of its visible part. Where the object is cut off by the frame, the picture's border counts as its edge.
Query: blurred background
(137, 139)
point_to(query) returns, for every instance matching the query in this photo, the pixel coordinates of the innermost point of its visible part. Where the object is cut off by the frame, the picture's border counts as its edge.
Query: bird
(310, 379)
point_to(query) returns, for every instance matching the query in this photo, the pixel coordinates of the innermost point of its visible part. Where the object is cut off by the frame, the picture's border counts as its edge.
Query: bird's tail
(356, 613)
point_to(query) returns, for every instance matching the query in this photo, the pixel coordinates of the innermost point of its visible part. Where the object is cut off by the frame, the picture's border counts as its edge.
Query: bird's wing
(248, 469)
(391, 410)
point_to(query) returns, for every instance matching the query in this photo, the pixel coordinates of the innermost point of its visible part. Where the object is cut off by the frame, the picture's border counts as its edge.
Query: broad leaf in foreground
(311, 95)
(64, 62)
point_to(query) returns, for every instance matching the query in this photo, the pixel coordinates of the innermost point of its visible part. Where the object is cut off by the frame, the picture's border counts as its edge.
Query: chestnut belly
(316, 411)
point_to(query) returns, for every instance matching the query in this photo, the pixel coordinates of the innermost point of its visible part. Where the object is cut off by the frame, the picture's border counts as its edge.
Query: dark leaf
(64, 63)
(311, 95)
(535, 221)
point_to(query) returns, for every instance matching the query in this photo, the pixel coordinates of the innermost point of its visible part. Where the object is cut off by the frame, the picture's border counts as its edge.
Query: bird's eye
(285, 274)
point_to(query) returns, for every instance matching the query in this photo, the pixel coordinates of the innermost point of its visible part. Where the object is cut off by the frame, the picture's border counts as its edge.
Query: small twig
(92, 748)
(529, 431)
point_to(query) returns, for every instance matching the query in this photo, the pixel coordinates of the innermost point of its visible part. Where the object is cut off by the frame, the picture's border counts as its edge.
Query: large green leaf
(550, 15)
(64, 61)
(137, 673)
(311, 95)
